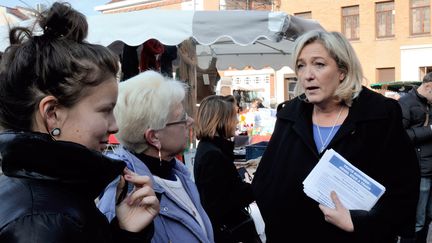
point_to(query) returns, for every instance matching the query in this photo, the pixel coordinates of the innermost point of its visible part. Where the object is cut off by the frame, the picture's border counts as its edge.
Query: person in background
(256, 104)
(416, 119)
(223, 193)
(153, 129)
(57, 94)
(334, 111)
(254, 113)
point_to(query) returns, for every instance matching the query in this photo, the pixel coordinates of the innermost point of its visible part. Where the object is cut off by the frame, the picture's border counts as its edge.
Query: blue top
(325, 133)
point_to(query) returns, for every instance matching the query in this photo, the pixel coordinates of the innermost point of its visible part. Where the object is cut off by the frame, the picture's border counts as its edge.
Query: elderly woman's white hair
(342, 52)
(145, 102)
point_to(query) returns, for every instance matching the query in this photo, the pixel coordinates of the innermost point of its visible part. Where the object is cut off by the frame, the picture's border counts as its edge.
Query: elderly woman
(334, 111)
(153, 129)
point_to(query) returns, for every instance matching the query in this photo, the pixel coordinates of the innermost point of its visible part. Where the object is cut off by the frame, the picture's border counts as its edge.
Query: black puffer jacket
(414, 111)
(48, 189)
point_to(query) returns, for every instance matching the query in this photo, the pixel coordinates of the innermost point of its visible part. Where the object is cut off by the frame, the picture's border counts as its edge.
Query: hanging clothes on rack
(187, 63)
(150, 55)
(167, 57)
(129, 62)
(207, 80)
(187, 71)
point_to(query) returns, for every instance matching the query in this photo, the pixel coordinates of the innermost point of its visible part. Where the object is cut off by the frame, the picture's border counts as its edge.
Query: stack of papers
(355, 189)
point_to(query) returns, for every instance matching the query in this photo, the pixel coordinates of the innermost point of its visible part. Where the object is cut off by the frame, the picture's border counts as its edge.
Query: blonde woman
(334, 111)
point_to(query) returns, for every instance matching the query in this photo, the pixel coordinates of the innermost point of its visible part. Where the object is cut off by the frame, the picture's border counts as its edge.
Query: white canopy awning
(236, 38)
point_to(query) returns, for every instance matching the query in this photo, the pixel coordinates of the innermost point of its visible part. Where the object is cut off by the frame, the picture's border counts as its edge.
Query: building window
(257, 80)
(351, 22)
(385, 74)
(420, 17)
(247, 80)
(237, 80)
(305, 15)
(290, 83)
(384, 19)
(424, 71)
(245, 5)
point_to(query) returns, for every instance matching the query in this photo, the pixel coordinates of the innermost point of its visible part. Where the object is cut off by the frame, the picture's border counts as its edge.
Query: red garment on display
(150, 55)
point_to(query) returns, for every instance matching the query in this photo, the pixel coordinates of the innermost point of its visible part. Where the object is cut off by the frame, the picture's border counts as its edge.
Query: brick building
(392, 38)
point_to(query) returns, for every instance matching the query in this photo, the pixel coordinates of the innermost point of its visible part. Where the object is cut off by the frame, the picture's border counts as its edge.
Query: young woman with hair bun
(57, 95)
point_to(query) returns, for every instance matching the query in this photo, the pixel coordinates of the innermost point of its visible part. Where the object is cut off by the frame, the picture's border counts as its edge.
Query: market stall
(395, 89)
(235, 38)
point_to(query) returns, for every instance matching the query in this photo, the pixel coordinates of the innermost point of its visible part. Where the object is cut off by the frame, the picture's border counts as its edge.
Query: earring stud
(55, 132)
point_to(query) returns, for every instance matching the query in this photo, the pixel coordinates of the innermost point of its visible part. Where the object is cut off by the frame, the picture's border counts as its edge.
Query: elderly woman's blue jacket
(173, 223)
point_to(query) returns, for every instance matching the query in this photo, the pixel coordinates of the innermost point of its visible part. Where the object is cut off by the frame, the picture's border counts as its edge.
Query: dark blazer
(223, 193)
(372, 138)
(48, 190)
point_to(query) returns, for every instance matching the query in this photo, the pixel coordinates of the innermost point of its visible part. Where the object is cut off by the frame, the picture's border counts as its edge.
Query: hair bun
(62, 21)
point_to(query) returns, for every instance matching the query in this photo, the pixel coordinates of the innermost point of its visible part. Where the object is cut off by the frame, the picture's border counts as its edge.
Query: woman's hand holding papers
(340, 216)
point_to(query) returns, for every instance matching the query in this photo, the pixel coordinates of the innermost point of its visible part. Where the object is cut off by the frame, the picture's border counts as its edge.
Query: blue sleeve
(107, 201)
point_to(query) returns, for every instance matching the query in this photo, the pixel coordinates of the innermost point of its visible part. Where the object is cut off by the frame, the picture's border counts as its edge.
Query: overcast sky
(84, 6)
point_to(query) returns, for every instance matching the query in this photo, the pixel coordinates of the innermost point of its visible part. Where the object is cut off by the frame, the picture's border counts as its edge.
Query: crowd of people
(60, 100)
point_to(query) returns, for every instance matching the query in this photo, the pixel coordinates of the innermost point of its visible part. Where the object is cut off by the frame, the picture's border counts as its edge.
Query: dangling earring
(160, 157)
(55, 132)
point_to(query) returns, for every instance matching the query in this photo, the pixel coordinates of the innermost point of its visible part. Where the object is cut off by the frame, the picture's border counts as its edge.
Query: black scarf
(163, 169)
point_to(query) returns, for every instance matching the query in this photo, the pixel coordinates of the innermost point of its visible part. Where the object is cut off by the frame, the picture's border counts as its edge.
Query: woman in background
(224, 194)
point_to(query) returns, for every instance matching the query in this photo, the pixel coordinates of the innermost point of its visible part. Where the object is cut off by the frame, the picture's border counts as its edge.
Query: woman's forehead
(177, 109)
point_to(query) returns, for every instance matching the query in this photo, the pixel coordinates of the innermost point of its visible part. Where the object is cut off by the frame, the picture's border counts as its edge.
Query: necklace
(324, 143)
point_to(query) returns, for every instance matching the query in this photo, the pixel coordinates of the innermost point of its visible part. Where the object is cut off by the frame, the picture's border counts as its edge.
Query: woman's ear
(46, 117)
(151, 136)
(341, 77)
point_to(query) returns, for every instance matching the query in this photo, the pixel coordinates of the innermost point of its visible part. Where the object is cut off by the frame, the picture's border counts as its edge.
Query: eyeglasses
(183, 120)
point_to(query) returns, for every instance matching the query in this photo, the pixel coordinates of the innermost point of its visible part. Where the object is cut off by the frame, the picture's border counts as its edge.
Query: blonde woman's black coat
(372, 138)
